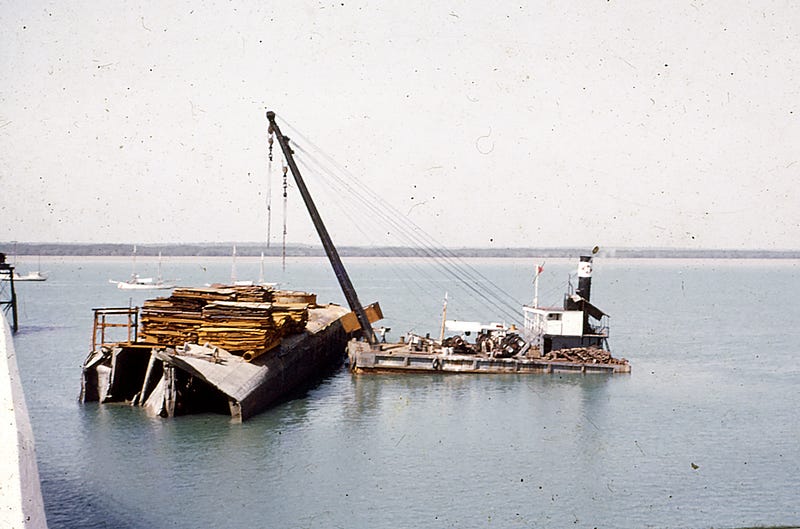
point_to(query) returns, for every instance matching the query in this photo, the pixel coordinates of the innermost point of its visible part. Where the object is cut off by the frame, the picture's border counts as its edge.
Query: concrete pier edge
(21, 504)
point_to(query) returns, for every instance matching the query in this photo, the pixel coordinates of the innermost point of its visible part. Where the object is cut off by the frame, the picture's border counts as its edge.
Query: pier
(21, 504)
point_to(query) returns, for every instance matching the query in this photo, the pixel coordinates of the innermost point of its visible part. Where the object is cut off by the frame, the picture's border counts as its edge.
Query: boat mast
(133, 266)
(539, 270)
(233, 266)
(333, 256)
(444, 319)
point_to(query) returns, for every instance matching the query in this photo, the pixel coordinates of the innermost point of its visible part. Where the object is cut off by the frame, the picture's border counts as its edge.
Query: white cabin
(544, 320)
(556, 328)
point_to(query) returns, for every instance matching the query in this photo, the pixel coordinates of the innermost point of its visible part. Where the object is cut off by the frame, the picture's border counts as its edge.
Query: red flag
(539, 269)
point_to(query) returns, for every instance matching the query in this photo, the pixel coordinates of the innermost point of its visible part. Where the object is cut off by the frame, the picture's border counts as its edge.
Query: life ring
(436, 364)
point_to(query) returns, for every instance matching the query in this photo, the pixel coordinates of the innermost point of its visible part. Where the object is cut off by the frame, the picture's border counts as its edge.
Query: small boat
(30, 276)
(34, 275)
(143, 283)
(246, 282)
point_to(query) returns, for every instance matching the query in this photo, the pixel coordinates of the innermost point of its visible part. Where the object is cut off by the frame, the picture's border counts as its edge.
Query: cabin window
(553, 317)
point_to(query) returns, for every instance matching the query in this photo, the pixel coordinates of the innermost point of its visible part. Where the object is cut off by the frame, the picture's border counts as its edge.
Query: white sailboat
(34, 275)
(30, 276)
(245, 283)
(143, 283)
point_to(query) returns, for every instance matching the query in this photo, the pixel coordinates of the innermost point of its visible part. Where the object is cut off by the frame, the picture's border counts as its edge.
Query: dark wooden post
(11, 303)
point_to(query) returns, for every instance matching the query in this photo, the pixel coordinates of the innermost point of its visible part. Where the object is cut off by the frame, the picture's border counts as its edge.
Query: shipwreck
(234, 349)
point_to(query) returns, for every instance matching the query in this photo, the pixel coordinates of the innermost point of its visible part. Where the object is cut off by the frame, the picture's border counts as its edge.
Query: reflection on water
(703, 433)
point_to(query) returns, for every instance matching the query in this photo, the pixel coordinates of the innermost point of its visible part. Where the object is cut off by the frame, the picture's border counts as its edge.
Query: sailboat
(34, 275)
(143, 283)
(242, 283)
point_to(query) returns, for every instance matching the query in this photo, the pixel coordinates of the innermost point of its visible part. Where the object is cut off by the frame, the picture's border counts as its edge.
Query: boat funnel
(585, 277)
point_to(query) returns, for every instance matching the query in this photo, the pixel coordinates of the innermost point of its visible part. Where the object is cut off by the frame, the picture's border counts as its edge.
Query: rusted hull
(394, 359)
(296, 364)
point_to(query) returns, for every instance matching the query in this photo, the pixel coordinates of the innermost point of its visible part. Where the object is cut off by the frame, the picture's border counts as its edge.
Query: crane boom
(330, 250)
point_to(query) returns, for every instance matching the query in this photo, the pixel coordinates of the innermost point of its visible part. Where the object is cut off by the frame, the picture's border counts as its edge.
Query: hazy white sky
(561, 123)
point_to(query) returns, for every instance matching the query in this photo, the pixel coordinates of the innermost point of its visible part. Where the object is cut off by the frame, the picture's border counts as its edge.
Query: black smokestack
(585, 277)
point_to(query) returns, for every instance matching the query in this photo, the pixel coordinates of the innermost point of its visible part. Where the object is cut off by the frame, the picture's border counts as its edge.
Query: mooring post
(7, 284)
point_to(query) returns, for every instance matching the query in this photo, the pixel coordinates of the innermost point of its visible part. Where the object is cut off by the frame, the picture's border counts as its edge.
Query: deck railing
(130, 321)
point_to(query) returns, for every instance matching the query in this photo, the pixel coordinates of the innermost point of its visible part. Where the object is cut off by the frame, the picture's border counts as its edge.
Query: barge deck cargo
(570, 338)
(402, 358)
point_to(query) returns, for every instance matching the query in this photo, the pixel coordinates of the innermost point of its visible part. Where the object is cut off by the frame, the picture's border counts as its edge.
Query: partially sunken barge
(227, 349)
(571, 338)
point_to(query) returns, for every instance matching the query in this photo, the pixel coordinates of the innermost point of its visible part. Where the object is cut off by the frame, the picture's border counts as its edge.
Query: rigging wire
(442, 260)
(401, 222)
(462, 276)
(381, 251)
(472, 285)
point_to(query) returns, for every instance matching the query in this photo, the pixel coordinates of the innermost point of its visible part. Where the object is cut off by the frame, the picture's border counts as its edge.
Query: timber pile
(294, 296)
(170, 321)
(238, 319)
(250, 293)
(583, 355)
(291, 316)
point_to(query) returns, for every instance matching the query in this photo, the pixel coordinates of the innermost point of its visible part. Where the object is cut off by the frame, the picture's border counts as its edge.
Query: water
(715, 384)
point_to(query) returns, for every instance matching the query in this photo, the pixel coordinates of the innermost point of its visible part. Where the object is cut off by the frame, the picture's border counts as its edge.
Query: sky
(527, 124)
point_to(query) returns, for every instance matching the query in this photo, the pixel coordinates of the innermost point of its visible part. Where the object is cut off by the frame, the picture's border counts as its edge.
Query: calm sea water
(715, 384)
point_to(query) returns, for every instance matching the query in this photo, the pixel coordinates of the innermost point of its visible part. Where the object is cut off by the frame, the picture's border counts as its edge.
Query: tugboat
(557, 339)
(576, 326)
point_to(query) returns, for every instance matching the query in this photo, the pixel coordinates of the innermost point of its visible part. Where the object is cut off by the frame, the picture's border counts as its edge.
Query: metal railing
(101, 323)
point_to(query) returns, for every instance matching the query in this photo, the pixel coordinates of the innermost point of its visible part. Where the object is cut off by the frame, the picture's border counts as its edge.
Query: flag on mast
(539, 270)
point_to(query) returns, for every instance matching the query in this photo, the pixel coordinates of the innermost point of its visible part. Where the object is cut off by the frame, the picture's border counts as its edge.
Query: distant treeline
(255, 249)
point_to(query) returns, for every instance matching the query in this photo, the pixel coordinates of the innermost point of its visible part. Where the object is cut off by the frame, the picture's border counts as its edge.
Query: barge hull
(156, 378)
(394, 359)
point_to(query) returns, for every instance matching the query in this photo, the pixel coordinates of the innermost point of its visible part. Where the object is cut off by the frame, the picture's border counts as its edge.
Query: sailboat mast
(333, 255)
(233, 266)
(133, 266)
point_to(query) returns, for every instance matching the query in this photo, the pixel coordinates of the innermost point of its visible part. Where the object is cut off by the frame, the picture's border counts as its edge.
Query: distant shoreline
(255, 249)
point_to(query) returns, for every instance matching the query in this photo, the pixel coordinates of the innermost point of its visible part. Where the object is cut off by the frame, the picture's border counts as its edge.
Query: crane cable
(270, 140)
(470, 285)
(283, 251)
(411, 234)
(402, 223)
